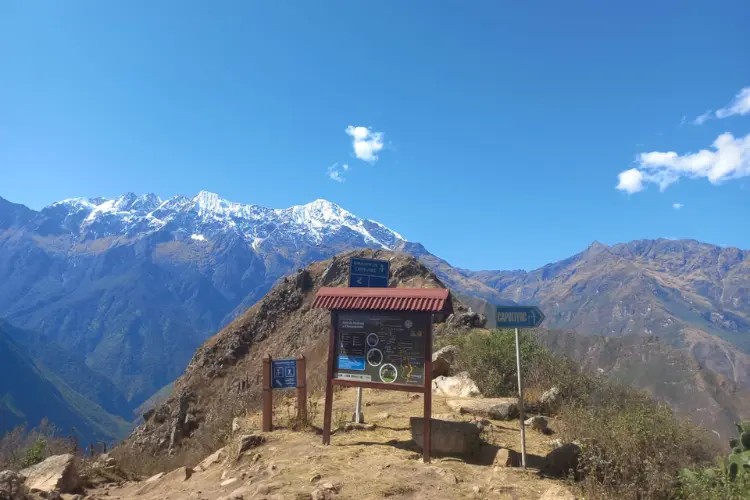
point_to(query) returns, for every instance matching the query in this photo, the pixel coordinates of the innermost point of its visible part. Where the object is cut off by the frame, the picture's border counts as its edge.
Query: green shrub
(490, 359)
(35, 454)
(631, 446)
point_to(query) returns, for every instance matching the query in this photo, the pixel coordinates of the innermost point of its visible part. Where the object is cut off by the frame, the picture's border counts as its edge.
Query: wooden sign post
(283, 374)
(381, 339)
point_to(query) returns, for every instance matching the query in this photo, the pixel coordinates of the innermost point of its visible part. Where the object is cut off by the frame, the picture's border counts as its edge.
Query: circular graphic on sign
(408, 323)
(388, 373)
(373, 339)
(374, 357)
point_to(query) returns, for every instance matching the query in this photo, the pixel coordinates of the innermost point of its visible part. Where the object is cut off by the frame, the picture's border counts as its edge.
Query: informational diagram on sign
(387, 347)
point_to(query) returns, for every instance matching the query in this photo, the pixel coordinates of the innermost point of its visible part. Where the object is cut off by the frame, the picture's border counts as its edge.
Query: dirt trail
(359, 464)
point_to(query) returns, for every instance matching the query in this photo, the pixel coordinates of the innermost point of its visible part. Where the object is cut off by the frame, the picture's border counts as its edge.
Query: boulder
(551, 398)
(460, 386)
(447, 437)
(443, 360)
(497, 408)
(557, 493)
(562, 460)
(12, 486)
(55, 473)
(507, 458)
(537, 423)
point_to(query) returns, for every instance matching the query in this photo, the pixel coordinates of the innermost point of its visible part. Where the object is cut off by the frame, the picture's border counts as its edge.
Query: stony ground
(361, 464)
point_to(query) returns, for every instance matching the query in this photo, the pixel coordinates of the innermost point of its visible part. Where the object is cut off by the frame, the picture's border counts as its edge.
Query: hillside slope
(29, 392)
(224, 374)
(692, 295)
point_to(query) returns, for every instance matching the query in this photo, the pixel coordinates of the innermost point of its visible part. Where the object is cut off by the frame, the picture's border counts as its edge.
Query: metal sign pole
(358, 408)
(520, 402)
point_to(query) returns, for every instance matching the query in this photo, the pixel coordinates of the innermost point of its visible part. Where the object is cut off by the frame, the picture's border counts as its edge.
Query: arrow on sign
(519, 316)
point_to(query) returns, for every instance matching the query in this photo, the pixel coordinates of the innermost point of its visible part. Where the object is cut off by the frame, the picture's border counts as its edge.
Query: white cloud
(677, 206)
(701, 119)
(631, 181)
(335, 170)
(728, 158)
(366, 143)
(740, 105)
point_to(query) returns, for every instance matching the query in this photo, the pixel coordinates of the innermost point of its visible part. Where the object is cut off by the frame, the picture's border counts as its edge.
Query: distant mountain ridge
(133, 285)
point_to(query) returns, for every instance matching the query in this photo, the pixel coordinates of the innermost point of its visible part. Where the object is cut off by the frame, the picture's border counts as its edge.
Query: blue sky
(494, 131)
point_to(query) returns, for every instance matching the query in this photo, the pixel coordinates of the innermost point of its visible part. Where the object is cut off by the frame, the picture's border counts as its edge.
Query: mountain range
(114, 296)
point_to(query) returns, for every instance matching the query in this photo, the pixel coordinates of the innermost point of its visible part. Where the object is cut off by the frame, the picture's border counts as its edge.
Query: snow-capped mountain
(208, 216)
(135, 284)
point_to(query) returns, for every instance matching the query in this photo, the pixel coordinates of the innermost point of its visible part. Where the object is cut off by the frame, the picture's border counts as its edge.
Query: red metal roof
(382, 299)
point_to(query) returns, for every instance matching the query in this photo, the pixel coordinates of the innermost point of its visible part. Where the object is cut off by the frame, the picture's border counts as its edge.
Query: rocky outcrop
(562, 460)
(12, 486)
(467, 319)
(57, 473)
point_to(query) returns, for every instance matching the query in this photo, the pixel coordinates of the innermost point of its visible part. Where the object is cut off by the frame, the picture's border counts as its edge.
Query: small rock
(507, 458)
(442, 361)
(249, 441)
(241, 493)
(551, 398)
(328, 486)
(476, 490)
(560, 461)
(447, 476)
(224, 475)
(315, 478)
(319, 494)
(414, 396)
(503, 411)
(383, 416)
(236, 425)
(266, 488)
(368, 404)
(229, 481)
(557, 493)
(537, 423)
(353, 426)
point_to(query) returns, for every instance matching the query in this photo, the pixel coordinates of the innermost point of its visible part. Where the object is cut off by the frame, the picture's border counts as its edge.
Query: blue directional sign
(283, 373)
(368, 273)
(518, 316)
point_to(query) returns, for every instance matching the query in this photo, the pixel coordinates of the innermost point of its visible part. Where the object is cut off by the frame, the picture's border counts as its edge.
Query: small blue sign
(283, 373)
(368, 273)
(518, 316)
(351, 363)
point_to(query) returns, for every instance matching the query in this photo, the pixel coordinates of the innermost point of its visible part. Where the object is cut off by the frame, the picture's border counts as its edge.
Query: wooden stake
(267, 395)
(301, 391)
(427, 393)
(328, 409)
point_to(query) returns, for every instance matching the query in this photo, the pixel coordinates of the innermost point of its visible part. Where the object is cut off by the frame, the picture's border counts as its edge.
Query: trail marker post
(283, 374)
(519, 317)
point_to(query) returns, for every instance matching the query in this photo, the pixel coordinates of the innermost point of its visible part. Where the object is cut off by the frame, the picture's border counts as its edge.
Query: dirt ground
(359, 464)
